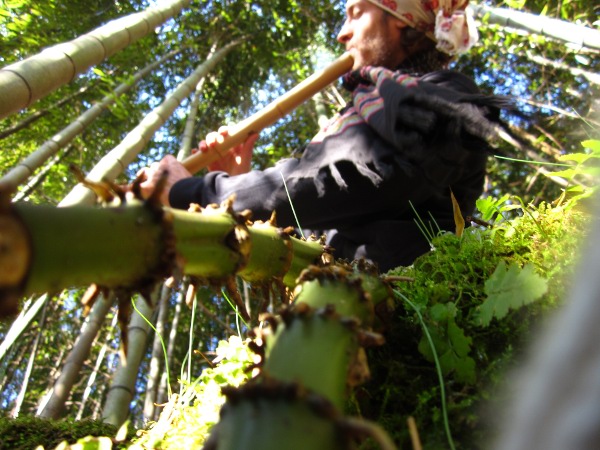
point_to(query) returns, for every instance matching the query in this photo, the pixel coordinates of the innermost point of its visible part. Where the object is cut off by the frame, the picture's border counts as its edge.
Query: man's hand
(235, 161)
(150, 176)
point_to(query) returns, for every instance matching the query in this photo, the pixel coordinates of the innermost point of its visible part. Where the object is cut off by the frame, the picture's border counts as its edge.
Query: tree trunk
(24, 82)
(561, 30)
(55, 407)
(322, 116)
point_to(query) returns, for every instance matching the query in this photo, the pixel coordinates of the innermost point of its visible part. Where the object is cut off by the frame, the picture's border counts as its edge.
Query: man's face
(371, 35)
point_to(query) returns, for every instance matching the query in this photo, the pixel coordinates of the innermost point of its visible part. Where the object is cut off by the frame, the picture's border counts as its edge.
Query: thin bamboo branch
(185, 150)
(532, 140)
(41, 175)
(576, 35)
(94, 374)
(561, 111)
(11, 367)
(163, 389)
(157, 358)
(54, 374)
(26, 81)
(117, 160)
(226, 328)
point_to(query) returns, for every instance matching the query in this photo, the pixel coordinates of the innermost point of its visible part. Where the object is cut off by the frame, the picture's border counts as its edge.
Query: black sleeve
(263, 192)
(423, 141)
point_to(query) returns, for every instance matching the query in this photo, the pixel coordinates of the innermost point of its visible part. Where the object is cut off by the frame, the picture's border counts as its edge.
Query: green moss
(448, 288)
(24, 433)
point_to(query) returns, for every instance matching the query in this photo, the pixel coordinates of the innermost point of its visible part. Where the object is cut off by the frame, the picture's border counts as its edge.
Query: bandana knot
(449, 23)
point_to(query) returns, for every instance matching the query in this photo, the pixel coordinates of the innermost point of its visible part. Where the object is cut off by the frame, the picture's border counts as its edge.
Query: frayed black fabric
(415, 124)
(394, 154)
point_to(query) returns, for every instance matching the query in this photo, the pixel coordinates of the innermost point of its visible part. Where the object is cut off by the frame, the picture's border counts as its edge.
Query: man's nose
(345, 34)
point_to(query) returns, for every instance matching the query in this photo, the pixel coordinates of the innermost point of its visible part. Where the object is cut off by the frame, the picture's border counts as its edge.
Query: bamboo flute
(274, 111)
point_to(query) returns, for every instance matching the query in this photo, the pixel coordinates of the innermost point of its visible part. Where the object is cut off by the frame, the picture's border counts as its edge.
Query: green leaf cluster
(480, 296)
(199, 411)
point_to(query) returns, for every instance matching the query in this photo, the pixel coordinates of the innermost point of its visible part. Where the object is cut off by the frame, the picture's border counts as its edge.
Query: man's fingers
(202, 147)
(214, 138)
(141, 173)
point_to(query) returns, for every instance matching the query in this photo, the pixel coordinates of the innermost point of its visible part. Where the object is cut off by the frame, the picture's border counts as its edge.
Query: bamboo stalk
(33, 161)
(71, 369)
(134, 246)
(274, 111)
(313, 354)
(26, 81)
(579, 35)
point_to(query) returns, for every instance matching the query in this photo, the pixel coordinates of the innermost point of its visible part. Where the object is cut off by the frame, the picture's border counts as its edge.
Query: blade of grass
(292, 206)
(437, 366)
(237, 313)
(162, 343)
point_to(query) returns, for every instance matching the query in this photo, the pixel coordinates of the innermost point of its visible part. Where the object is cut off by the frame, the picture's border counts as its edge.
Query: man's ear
(397, 23)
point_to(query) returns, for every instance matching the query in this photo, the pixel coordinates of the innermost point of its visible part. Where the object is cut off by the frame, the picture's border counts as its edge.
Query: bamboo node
(15, 252)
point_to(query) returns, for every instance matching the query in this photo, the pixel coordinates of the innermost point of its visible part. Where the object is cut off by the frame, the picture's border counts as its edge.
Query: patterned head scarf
(449, 23)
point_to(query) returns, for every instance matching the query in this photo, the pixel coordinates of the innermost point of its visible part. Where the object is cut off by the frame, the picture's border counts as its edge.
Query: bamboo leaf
(459, 221)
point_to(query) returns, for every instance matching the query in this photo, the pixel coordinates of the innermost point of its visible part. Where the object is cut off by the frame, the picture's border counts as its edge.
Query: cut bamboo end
(15, 252)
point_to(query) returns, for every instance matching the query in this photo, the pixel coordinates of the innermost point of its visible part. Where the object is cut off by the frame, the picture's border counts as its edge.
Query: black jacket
(391, 155)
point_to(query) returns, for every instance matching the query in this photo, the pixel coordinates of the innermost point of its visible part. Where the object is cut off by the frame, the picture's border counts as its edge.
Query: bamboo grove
(85, 105)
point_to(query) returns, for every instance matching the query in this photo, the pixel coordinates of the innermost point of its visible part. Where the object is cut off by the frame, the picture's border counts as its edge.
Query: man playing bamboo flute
(413, 134)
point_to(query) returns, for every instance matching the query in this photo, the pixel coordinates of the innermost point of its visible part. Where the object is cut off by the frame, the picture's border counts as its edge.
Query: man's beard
(379, 54)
